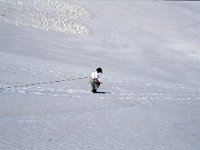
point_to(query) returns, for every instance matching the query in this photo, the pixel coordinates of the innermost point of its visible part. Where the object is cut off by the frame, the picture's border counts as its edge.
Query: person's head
(99, 70)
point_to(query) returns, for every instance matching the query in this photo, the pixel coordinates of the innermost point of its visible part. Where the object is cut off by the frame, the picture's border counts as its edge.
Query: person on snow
(95, 80)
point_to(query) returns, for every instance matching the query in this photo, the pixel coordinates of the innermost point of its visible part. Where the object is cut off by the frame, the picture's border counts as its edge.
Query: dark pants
(94, 84)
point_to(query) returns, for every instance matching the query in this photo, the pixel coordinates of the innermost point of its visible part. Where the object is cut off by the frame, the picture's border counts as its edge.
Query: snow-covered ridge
(54, 15)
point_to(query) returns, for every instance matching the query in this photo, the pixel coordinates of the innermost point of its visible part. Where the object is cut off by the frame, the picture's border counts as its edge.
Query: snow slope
(45, 14)
(149, 52)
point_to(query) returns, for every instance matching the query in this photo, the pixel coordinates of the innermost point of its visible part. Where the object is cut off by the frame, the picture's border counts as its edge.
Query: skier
(95, 80)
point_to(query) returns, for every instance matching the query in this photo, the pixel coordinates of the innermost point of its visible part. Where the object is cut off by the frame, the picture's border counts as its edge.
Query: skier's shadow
(99, 92)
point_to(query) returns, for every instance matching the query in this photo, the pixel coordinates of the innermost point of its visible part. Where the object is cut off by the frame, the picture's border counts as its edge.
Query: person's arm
(98, 78)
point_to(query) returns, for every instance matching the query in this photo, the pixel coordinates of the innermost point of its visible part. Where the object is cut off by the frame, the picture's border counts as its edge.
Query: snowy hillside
(150, 55)
(45, 14)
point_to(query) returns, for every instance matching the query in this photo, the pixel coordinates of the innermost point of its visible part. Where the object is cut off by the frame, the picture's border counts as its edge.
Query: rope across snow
(40, 83)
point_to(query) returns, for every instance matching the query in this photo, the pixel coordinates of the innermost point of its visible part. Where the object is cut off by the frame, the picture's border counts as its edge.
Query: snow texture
(149, 53)
(55, 15)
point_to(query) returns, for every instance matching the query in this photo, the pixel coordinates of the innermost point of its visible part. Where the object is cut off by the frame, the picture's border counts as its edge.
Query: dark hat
(99, 70)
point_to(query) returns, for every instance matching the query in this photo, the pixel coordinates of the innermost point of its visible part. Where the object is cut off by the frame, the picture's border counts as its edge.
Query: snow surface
(45, 14)
(149, 52)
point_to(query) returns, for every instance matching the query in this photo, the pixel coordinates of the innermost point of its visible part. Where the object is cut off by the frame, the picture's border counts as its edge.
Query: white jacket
(95, 75)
